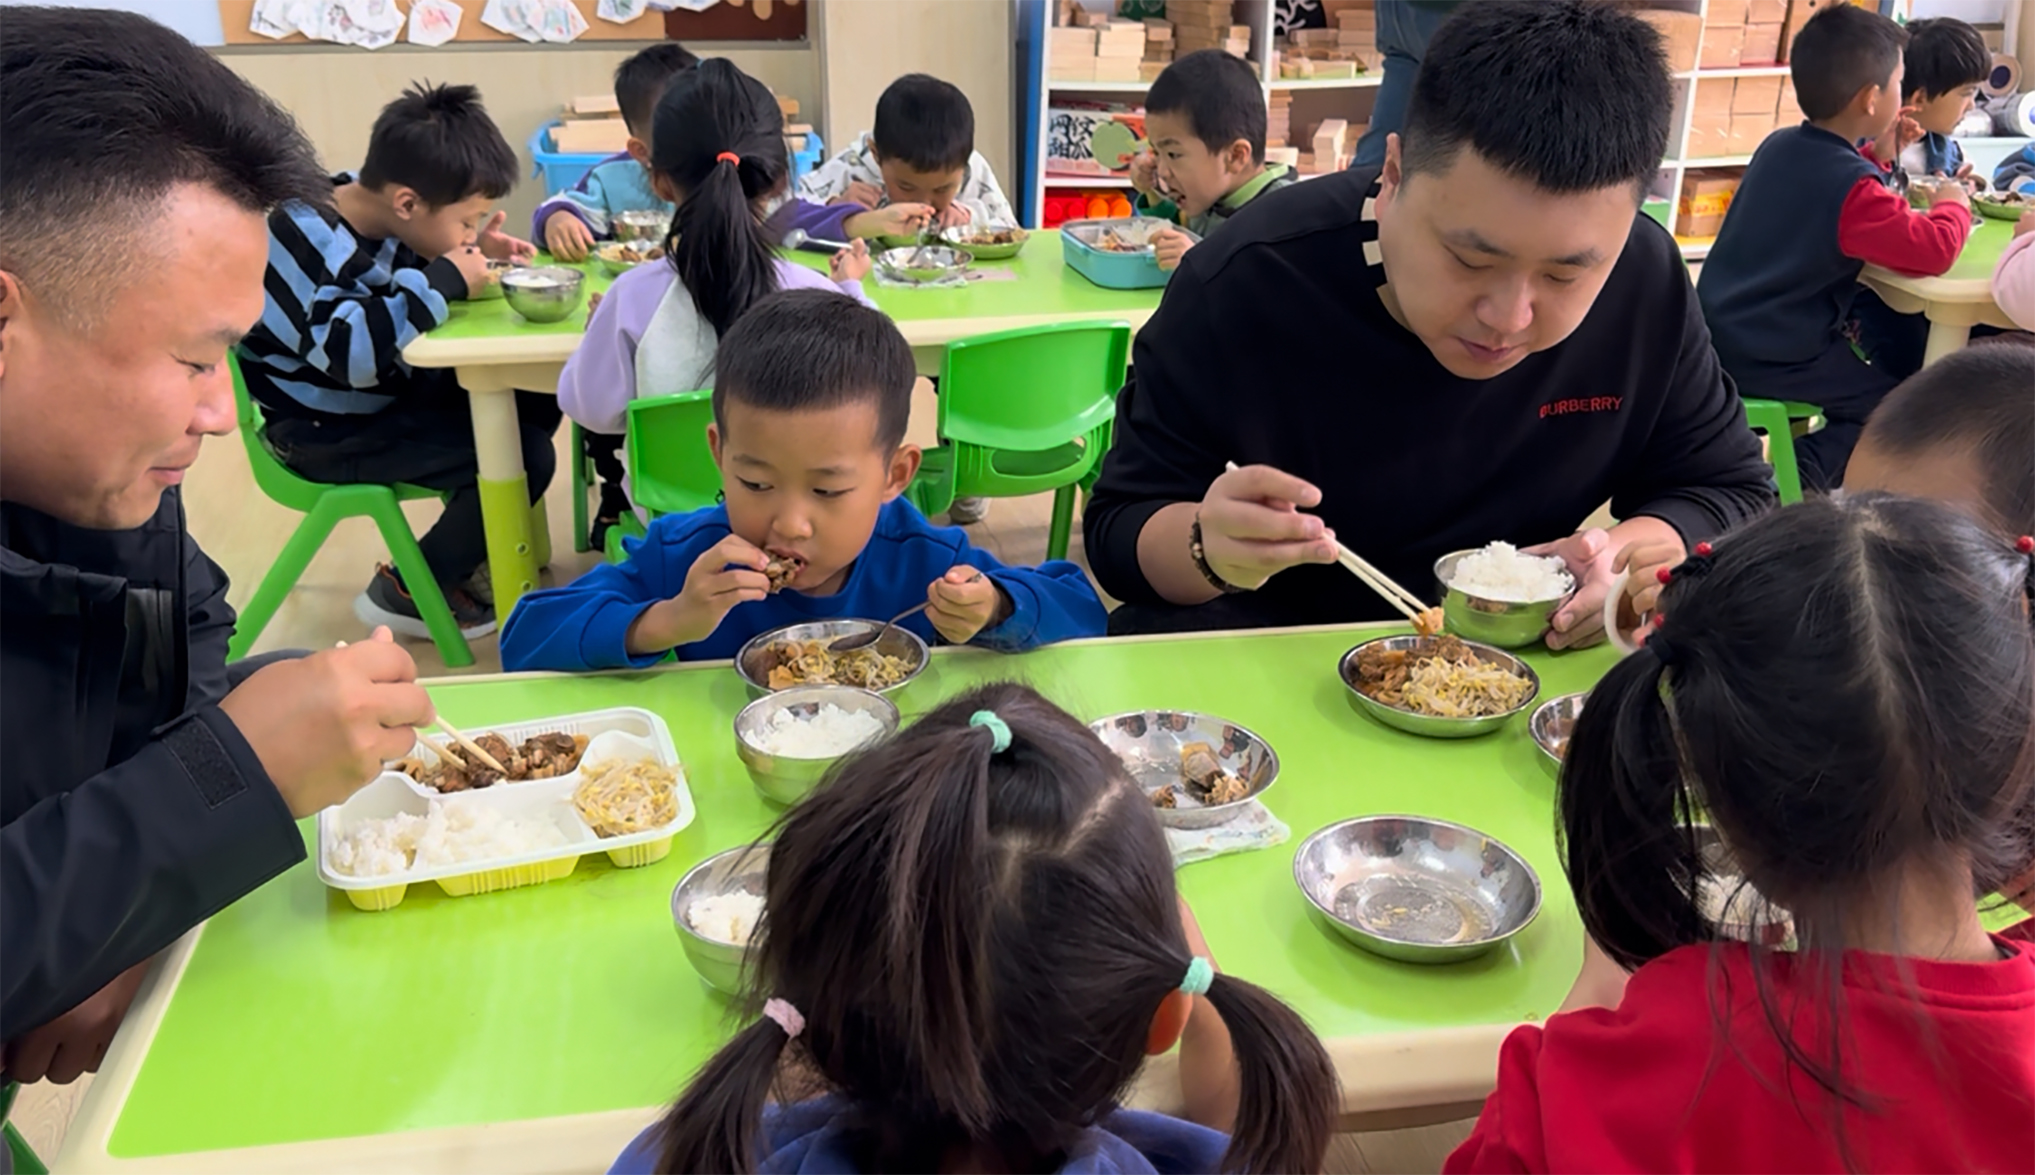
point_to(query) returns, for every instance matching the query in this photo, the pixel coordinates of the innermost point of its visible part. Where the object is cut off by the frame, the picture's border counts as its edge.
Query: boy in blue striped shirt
(348, 288)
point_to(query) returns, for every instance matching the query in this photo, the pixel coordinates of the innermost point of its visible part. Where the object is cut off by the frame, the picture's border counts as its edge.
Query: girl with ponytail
(717, 152)
(970, 944)
(1844, 693)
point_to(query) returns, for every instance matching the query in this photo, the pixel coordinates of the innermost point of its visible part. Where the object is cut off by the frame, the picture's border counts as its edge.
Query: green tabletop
(300, 1018)
(1044, 286)
(1982, 250)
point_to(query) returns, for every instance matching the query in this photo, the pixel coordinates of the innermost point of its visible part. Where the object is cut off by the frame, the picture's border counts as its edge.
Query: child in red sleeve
(1780, 287)
(1846, 690)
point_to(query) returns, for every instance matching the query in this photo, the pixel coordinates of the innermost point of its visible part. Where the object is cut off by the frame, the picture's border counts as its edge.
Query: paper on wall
(621, 11)
(512, 17)
(559, 21)
(688, 5)
(433, 22)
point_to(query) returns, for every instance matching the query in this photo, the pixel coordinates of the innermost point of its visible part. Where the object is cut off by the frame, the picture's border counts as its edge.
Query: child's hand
(1169, 245)
(473, 266)
(567, 237)
(729, 573)
(896, 220)
(964, 602)
(850, 264)
(1964, 176)
(500, 246)
(1145, 175)
(1898, 137)
(955, 216)
(593, 303)
(1643, 590)
(858, 192)
(1956, 194)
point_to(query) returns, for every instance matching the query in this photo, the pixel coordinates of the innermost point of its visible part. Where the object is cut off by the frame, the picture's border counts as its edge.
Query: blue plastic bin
(562, 170)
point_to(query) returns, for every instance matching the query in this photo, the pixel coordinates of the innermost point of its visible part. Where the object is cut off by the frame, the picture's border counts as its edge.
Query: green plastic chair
(671, 467)
(25, 1160)
(1783, 421)
(323, 507)
(582, 481)
(1023, 412)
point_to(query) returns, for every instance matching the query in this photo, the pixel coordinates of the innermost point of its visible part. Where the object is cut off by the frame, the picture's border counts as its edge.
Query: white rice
(828, 732)
(448, 834)
(728, 917)
(1500, 572)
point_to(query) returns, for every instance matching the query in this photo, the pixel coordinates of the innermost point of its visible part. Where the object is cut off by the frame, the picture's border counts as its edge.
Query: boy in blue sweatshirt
(811, 395)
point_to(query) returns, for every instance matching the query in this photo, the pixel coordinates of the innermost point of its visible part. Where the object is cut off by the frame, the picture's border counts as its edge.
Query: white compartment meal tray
(624, 732)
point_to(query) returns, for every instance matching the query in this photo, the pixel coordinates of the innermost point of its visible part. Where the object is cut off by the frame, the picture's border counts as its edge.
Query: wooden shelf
(1086, 181)
(1717, 161)
(1098, 87)
(1743, 71)
(1695, 248)
(1326, 83)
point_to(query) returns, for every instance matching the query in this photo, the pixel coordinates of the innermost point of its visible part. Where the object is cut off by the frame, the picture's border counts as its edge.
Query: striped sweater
(341, 307)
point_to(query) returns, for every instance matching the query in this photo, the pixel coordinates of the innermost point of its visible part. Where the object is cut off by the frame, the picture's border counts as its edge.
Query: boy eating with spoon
(811, 396)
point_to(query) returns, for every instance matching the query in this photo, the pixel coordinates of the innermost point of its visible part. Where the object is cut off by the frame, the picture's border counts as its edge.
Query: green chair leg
(1063, 522)
(540, 533)
(1771, 418)
(289, 567)
(24, 1156)
(424, 590)
(582, 526)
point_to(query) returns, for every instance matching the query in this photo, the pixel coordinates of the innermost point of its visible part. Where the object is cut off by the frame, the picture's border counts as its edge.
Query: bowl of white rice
(716, 907)
(1499, 595)
(789, 740)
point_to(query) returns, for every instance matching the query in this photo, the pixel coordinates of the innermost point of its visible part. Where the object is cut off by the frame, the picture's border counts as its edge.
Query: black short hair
(1981, 401)
(1944, 54)
(640, 82)
(1570, 95)
(925, 124)
(1220, 97)
(101, 114)
(809, 350)
(439, 142)
(1842, 50)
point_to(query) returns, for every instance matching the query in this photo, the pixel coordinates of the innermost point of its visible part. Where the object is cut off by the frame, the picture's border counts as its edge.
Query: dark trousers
(1403, 33)
(605, 451)
(1844, 386)
(424, 439)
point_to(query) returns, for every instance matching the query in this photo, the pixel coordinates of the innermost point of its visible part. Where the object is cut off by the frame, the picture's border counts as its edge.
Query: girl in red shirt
(1845, 690)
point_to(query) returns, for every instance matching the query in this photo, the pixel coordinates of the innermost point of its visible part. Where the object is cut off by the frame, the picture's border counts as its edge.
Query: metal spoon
(798, 239)
(862, 640)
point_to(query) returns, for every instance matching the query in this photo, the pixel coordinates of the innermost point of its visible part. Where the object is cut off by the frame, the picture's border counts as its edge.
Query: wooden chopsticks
(471, 746)
(1425, 620)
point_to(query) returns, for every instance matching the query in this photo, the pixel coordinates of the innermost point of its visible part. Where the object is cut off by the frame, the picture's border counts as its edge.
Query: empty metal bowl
(738, 870)
(985, 241)
(1507, 624)
(754, 665)
(1433, 725)
(544, 293)
(784, 778)
(619, 257)
(639, 224)
(923, 264)
(1416, 889)
(1551, 726)
(1149, 742)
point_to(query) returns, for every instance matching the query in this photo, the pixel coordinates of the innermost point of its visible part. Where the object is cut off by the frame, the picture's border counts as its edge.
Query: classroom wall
(336, 93)
(867, 44)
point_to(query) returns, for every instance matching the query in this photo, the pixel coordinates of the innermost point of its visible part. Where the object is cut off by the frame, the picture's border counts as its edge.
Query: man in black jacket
(139, 794)
(1480, 341)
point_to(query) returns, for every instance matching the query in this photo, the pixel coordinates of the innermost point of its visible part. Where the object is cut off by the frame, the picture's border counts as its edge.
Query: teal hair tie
(1200, 974)
(999, 731)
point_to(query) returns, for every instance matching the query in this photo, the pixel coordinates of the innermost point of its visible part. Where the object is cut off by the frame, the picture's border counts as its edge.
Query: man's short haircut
(811, 350)
(102, 114)
(925, 124)
(1944, 54)
(439, 142)
(1569, 95)
(1841, 50)
(1979, 401)
(1220, 97)
(640, 82)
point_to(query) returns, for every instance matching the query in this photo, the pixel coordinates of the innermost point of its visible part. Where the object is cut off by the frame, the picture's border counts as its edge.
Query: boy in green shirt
(1205, 120)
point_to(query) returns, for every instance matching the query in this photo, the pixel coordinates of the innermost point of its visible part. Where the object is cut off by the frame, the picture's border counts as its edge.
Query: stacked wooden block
(1333, 141)
(1343, 50)
(1729, 116)
(1099, 50)
(1747, 32)
(1357, 32)
(1207, 24)
(1158, 49)
(1681, 34)
(1279, 119)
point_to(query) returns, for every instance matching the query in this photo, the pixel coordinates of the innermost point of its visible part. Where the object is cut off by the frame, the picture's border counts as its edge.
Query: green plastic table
(496, 351)
(1955, 301)
(538, 1029)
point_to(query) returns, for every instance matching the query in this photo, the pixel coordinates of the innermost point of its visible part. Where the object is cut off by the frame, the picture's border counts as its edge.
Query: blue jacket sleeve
(1051, 602)
(585, 624)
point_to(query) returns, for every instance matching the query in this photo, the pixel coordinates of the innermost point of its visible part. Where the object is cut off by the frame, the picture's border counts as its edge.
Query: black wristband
(1199, 553)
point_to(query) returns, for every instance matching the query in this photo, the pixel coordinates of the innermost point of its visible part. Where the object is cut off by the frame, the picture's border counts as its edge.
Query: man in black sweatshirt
(1480, 341)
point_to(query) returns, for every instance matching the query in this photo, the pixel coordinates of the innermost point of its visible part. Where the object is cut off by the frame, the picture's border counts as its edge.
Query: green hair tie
(1200, 975)
(999, 731)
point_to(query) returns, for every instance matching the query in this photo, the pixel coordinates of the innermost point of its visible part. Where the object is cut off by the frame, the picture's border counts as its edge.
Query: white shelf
(1086, 181)
(1698, 250)
(1099, 87)
(1326, 83)
(1716, 161)
(1743, 71)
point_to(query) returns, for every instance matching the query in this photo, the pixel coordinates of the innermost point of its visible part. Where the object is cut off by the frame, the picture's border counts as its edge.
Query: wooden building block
(595, 105)
(590, 136)
(1119, 69)
(1756, 96)
(1762, 45)
(1680, 32)
(1713, 96)
(1723, 48)
(1766, 11)
(1075, 42)
(1746, 132)
(1727, 13)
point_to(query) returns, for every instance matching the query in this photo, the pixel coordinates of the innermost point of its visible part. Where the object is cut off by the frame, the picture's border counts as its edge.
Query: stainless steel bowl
(1551, 726)
(963, 236)
(1505, 623)
(902, 643)
(1149, 742)
(639, 224)
(741, 869)
(786, 779)
(544, 293)
(1432, 725)
(1416, 889)
(931, 263)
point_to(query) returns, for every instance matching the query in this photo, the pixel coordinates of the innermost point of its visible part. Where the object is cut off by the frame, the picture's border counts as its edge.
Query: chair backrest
(276, 480)
(1032, 389)
(671, 469)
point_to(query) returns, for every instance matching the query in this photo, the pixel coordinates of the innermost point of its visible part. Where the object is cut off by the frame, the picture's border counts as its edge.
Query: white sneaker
(968, 511)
